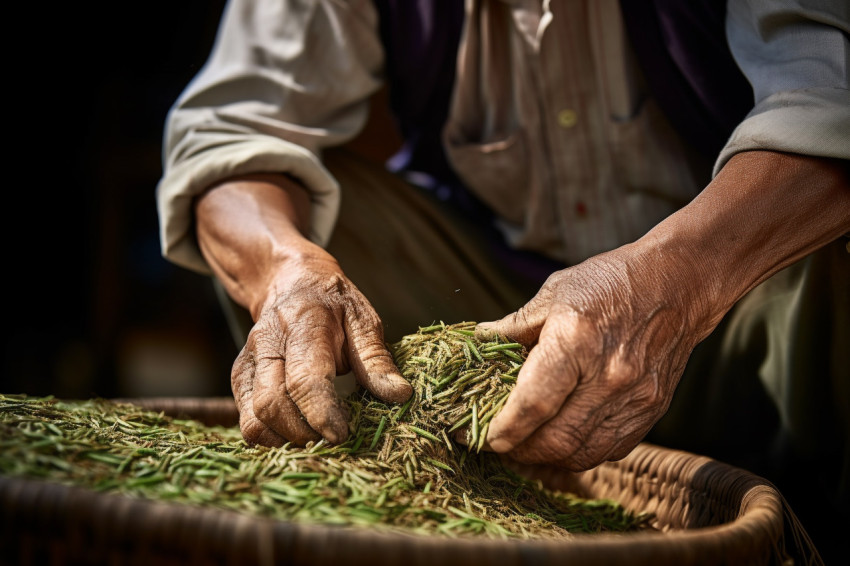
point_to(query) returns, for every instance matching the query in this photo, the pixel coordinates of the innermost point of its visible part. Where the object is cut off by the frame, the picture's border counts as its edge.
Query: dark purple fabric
(683, 52)
(421, 39)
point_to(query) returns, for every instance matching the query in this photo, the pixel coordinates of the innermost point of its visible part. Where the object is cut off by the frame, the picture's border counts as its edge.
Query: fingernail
(397, 378)
(402, 388)
(334, 436)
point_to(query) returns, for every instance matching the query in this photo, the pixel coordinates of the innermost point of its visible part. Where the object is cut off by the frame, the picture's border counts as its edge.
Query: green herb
(400, 469)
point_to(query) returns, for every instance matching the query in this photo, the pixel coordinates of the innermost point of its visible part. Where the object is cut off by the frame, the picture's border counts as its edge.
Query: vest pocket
(496, 171)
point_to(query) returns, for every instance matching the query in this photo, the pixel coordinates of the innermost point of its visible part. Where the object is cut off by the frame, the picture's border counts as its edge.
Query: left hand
(611, 335)
(610, 339)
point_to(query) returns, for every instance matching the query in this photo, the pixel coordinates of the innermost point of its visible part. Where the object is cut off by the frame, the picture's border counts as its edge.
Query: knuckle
(552, 279)
(311, 397)
(243, 366)
(265, 341)
(272, 318)
(303, 374)
(643, 388)
(364, 314)
(621, 373)
(530, 316)
(566, 328)
(373, 353)
(298, 386)
(241, 384)
(655, 395)
(314, 405)
(252, 429)
(265, 406)
(335, 285)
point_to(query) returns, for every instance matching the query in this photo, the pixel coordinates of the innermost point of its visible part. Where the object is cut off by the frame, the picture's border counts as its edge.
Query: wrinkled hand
(314, 325)
(610, 340)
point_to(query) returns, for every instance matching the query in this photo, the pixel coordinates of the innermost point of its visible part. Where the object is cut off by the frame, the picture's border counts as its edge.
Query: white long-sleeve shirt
(550, 124)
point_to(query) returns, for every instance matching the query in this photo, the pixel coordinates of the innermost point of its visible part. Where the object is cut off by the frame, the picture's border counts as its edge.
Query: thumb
(548, 377)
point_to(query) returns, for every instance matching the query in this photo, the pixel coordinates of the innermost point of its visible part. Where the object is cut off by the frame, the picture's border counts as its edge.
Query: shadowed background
(93, 309)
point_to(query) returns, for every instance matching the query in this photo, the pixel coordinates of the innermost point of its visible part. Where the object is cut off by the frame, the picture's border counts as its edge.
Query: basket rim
(755, 535)
(119, 515)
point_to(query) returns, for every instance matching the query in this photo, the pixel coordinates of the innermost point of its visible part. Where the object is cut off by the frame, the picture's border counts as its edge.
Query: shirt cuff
(812, 121)
(227, 158)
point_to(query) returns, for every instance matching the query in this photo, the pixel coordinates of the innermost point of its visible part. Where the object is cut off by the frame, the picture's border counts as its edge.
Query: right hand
(314, 325)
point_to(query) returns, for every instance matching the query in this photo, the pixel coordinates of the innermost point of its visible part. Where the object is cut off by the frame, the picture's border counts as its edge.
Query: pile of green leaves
(400, 469)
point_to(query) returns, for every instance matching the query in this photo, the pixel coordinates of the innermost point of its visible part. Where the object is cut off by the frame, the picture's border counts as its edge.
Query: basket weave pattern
(707, 512)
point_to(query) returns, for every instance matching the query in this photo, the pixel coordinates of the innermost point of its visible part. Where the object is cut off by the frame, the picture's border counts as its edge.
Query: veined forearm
(764, 211)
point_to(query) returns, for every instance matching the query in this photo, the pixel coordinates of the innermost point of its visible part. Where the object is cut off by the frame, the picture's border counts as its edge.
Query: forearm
(763, 212)
(251, 227)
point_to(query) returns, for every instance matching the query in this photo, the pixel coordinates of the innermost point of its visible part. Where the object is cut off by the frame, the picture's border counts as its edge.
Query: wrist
(301, 269)
(251, 230)
(684, 278)
(763, 212)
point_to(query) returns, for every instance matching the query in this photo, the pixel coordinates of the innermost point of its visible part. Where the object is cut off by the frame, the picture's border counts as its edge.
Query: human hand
(610, 339)
(314, 325)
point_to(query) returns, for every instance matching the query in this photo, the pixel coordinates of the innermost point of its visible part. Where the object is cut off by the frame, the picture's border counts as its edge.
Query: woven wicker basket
(708, 513)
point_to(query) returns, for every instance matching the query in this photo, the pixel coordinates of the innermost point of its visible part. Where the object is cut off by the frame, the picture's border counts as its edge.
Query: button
(567, 118)
(581, 209)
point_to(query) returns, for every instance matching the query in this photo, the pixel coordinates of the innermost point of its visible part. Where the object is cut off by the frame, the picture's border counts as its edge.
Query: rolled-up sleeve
(285, 79)
(796, 56)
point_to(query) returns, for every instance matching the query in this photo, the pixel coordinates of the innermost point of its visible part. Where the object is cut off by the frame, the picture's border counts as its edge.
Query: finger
(593, 445)
(523, 326)
(271, 401)
(253, 430)
(572, 439)
(584, 433)
(556, 443)
(310, 369)
(368, 356)
(548, 376)
(610, 426)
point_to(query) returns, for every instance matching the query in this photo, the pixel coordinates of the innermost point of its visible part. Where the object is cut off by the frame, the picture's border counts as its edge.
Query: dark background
(92, 308)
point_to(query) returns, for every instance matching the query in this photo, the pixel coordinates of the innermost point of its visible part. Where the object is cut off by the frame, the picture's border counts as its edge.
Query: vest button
(567, 118)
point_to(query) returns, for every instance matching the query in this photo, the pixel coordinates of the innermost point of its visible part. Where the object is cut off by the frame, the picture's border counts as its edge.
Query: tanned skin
(609, 337)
